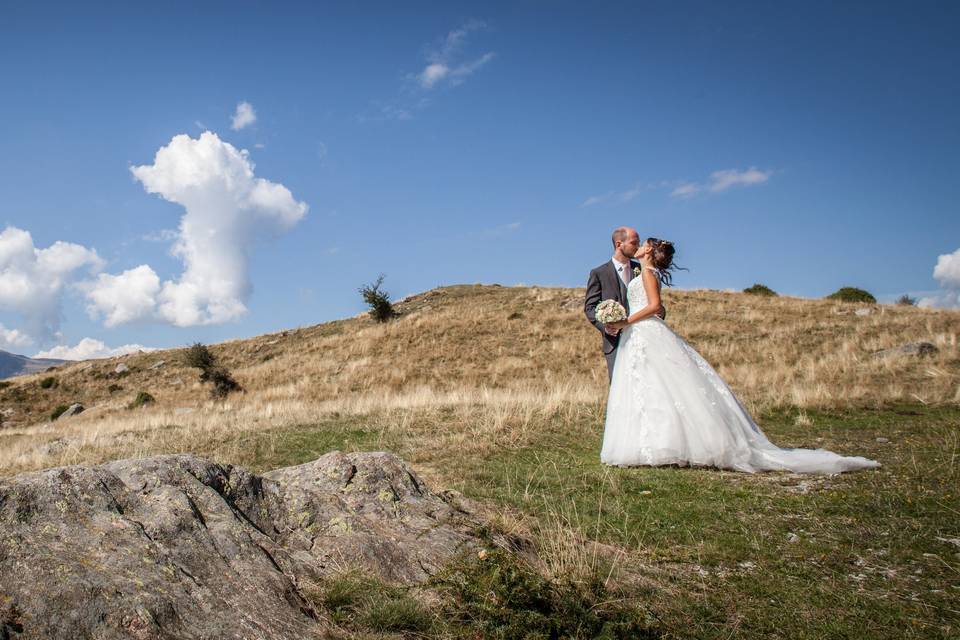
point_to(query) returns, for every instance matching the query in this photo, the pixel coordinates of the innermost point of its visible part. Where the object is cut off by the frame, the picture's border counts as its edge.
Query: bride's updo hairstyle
(662, 258)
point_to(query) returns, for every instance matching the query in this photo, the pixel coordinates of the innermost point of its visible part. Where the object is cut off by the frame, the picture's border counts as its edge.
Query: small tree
(906, 300)
(852, 294)
(760, 290)
(199, 357)
(379, 301)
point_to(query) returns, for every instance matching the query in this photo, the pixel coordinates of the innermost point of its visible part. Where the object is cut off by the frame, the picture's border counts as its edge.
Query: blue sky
(806, 146)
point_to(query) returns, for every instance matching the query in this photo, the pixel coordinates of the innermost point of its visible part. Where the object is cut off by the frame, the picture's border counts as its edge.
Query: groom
(609, 282)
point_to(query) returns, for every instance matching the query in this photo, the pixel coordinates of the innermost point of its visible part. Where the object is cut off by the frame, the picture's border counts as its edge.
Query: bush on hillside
(760, 290)
(48, 383)
(852, 294)
(56, 413)
(143, 398)
(906, 300)
(199, 357)
(378, 300)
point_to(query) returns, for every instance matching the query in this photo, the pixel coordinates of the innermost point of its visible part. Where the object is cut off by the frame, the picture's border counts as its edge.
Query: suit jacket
(605, 284)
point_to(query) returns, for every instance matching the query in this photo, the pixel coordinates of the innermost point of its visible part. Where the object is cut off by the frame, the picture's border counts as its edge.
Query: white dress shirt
(623, 270)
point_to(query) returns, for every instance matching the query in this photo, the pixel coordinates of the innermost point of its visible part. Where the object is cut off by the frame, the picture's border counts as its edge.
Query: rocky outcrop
(180, 547)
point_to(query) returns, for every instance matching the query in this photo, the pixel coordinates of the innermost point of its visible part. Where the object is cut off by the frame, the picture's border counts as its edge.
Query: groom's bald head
(623, 234)
(626, 241)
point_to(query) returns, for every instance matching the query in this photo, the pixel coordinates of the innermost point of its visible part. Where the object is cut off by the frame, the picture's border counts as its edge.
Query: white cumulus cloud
(89, 348)
(126, 297)
(947, 273)
(227, 210)
(244, 116)
(33, 281)
(13, 339)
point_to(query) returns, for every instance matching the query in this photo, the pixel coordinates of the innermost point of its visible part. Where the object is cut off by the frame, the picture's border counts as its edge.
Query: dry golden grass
(484, 361)
(499, 393)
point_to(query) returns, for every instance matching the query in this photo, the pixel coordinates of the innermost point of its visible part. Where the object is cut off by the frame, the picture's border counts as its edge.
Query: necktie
(625, 274)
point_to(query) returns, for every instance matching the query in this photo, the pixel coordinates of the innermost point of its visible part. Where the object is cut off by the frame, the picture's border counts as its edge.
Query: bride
(668, 406)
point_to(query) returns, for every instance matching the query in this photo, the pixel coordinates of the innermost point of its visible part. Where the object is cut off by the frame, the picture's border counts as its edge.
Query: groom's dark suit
(604, 283)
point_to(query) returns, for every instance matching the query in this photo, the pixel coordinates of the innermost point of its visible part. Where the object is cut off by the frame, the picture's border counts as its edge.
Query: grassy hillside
(499, 393)
(489, 344)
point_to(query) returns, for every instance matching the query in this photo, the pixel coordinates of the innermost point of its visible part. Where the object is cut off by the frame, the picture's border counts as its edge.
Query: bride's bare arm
(652, 286)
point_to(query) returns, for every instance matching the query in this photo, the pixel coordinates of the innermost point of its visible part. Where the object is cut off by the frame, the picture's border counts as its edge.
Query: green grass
(724, 554)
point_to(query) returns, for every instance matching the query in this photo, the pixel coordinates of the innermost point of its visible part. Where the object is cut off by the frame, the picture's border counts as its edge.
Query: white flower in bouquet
(610, 311)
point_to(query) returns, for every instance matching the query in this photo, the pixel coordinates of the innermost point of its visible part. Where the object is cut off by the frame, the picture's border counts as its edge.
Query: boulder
(176, 546)
(910, 349)
(121, 368)
(72, 410)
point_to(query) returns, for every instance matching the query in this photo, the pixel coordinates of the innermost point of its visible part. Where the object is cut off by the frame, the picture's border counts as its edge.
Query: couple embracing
(666, 404)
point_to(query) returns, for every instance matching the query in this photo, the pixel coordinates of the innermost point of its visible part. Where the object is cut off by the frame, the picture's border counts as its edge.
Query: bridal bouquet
(610, 311)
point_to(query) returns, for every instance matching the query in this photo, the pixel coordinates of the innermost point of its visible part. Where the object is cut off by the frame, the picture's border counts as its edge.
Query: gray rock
(121, 368)
(182, 411)
(180, 547)
(909, 349)
(882, 440)
(158, 364)
(72, 410)
(863, 312)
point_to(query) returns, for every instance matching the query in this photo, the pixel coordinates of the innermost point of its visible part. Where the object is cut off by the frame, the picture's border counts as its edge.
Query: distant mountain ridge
(12, 364)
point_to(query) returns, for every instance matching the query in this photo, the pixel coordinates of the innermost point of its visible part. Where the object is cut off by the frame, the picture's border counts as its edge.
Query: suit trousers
(611, 358)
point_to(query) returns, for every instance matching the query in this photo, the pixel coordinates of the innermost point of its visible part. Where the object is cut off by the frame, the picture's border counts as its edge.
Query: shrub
(5, 383)
(366, 602)
(199, 357)
(223, 382)
(56, 413)
(852, 294)
(48, 383)
(760, 290)
(113, 388)
(378, 300)
(143, 398)
(906, 300)
(501, 597)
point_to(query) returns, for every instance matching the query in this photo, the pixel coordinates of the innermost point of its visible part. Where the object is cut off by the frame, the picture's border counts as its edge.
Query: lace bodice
(636, 294)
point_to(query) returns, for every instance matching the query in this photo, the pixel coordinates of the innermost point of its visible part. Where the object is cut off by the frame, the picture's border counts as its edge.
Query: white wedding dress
(668, 406)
